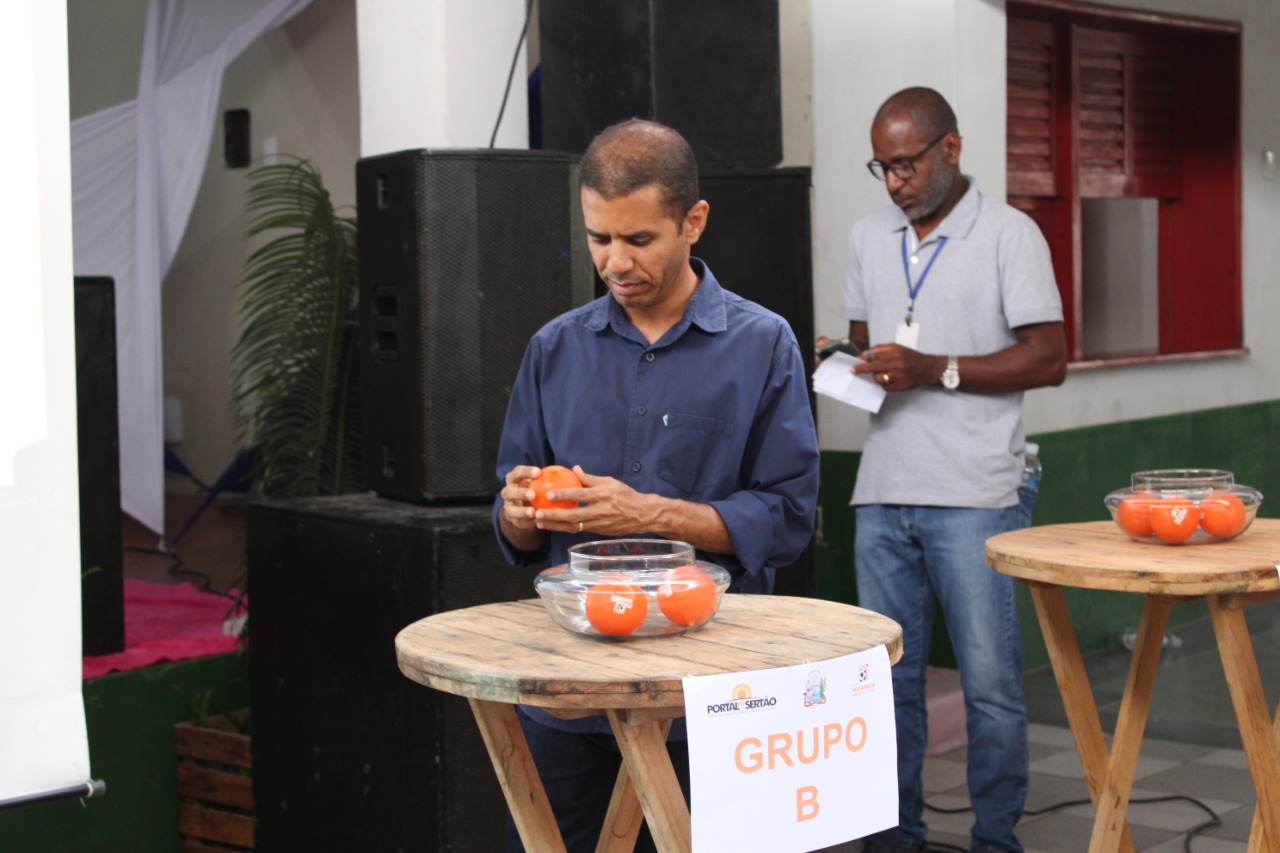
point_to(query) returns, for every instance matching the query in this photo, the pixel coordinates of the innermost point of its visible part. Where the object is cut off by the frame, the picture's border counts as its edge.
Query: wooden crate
(215, 785)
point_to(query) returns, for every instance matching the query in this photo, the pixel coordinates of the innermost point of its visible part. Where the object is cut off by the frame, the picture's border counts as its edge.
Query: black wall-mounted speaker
(463, 256)
(348, 753)
(98, 435)
(709, 69)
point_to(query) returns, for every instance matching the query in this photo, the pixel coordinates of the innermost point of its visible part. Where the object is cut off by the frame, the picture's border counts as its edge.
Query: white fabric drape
(136, 168)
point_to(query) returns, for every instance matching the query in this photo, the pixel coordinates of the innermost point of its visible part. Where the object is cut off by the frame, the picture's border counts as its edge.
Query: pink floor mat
(168, 622)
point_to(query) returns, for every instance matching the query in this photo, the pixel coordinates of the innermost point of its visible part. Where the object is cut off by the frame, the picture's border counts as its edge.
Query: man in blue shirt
(682, 407)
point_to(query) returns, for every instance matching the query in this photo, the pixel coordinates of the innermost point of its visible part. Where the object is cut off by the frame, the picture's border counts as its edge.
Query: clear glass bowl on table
(1183, 506)
(622, 588)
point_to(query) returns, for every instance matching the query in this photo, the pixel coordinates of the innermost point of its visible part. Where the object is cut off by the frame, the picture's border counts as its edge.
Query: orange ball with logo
(1174, 520)
(616, 609)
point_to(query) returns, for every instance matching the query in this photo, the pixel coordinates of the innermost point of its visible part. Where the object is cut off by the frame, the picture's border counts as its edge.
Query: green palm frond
(293, 368)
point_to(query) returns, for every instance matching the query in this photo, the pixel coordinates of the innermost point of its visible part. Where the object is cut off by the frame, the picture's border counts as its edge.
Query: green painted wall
(129, 717)
(1080, 467)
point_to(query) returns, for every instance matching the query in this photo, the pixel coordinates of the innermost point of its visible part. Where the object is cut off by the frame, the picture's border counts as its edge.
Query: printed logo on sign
(741, 700)
(815, 689)
(864, 683)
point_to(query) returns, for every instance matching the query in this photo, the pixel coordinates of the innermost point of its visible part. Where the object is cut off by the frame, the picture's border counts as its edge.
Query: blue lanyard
(906, 272)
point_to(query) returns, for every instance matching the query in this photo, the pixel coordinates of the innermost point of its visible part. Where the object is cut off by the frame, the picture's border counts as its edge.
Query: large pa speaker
(757, 242)
(710, 69)
(348, 753)
(463, 256)
(98, 435)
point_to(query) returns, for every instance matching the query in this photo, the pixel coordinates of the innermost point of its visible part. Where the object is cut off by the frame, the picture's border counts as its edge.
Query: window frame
(1048, 177)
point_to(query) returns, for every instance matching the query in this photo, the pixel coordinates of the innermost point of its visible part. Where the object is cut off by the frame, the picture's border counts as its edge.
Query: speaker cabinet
(463, 256)
(98, 435)
(348, 753)
(757, 243)
(708, 69)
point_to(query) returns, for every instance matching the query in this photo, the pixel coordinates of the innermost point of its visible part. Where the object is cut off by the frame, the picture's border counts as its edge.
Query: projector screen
(42, 728)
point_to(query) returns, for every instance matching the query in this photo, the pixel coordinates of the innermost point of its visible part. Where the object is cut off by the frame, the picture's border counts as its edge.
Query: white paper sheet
(834, 379)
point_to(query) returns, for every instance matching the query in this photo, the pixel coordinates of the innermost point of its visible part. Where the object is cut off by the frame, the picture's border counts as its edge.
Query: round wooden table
(1228, 575)
(501, 655)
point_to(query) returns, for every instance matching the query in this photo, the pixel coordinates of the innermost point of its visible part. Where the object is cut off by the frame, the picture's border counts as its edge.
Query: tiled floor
(1191, 761)
(1190, 750)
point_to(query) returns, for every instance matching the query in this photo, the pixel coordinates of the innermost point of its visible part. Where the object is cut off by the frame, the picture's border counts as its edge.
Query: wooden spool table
(501, 655)
(1228, 575)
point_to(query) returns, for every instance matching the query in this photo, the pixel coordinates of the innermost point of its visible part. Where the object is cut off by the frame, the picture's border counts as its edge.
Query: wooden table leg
(644, 755)
(518, 775)
(1077, 695)
(623, 820)
(1130, 724)
(1257, 732)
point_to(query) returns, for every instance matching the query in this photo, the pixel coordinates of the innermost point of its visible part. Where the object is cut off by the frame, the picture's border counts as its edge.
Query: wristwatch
(951, 376)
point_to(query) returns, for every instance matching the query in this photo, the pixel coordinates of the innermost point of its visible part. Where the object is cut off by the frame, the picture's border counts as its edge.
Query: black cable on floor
(175, 566)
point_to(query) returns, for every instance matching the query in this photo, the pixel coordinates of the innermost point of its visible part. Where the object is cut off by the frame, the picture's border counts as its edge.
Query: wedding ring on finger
(579, 526)
(884, 379)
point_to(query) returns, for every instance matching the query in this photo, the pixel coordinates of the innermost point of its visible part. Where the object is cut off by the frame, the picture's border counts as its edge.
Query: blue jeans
(904, 556)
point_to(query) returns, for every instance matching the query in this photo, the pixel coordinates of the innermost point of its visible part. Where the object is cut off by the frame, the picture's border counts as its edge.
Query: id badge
(908, 335)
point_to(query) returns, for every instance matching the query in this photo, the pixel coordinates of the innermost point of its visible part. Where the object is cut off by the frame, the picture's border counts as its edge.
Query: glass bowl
(621, 588)
(1183, 506)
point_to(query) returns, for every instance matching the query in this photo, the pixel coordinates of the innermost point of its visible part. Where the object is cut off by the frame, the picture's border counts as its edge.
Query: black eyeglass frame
(904, 169)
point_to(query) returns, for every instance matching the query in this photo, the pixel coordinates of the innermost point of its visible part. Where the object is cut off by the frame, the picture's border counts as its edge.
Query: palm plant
(293, 367)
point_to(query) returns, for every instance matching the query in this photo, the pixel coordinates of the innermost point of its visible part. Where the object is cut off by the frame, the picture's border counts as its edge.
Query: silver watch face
(951, 378)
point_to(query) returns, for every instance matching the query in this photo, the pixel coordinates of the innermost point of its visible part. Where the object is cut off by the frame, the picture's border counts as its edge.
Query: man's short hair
(925, 107)
(635, 153)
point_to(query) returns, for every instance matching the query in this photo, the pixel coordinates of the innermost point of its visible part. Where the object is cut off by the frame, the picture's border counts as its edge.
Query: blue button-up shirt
(716, 411)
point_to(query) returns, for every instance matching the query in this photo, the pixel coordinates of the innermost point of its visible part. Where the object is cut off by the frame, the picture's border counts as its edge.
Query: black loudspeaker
(348, 753)
(98, 435)
(708, 69)
(463, 256)
(757, 243)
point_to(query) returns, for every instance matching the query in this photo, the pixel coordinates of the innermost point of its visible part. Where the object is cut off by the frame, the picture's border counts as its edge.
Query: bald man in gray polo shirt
(951, 295)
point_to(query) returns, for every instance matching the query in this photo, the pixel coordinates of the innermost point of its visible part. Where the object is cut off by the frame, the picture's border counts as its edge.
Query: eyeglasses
(903, 169)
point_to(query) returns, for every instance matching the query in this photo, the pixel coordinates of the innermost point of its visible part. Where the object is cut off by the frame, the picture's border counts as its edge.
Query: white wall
(432, 74)
(865, 51)
(299, 84)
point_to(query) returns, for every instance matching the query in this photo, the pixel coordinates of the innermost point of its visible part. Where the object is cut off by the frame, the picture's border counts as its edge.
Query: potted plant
(293, 367)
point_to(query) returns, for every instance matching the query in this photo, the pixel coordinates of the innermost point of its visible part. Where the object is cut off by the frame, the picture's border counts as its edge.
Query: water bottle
(1029, 488)
(1031, 467)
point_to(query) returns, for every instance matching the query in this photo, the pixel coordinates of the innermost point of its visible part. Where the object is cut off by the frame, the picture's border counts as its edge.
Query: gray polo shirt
(930, 446)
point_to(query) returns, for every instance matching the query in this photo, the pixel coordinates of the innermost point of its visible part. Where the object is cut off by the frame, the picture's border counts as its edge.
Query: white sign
(792, 759)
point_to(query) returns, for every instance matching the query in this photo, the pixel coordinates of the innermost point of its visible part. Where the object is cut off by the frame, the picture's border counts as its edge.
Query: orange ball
(1174, 520)
(687, 596)
(1222, 515)
(549, 479)
(616, 609)
(1134, 515)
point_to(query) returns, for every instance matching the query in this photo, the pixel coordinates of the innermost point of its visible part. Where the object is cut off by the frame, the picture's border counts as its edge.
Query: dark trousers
(578, 772)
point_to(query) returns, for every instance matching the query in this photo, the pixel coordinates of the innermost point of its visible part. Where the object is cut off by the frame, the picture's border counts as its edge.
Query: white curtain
(135, 170)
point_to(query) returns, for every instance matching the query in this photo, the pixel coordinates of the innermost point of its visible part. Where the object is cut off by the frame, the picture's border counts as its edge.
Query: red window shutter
(1127, 96)
(1030, 151)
